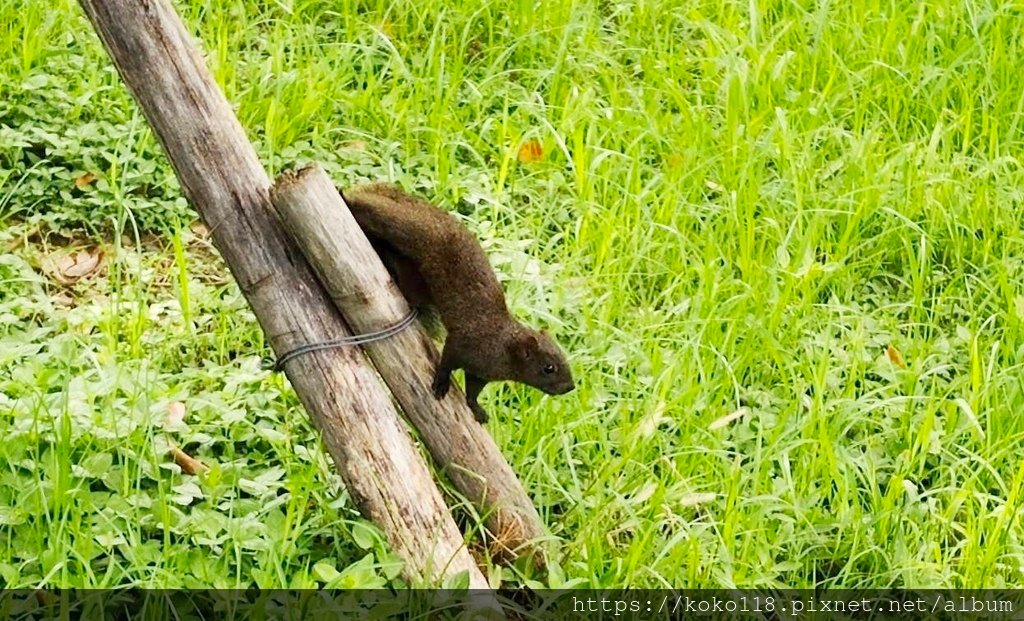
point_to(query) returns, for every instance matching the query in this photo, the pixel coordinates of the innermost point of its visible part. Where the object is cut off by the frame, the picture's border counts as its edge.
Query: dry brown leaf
(188, 464)
(68, 267)
(84, 181)
(531, 151)
(83, 264)
(895, 357)
(199, 229)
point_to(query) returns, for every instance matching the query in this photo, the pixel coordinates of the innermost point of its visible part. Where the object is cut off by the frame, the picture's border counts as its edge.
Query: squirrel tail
(388, 214)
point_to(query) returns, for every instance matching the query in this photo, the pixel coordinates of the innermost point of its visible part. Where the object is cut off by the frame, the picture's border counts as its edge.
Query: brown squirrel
(436, 261)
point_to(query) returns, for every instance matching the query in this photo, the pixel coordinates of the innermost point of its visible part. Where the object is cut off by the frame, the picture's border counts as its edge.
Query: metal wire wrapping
(355, 339)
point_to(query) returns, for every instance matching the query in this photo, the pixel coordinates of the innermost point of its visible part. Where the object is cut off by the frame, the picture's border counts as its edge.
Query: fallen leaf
(83, 264)
(175, 414)
(355, 145)
(649, 423)
(199, 229)
(63, 300)
(68, 267)
(895, 357)
(728, 418)
(83, 181)
(714, 187)
(531, 151)
(188, 464)
(644, 493)
(691, 500)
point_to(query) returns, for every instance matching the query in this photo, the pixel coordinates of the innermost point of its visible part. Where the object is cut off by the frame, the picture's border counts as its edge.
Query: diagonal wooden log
(223, 179)
(315, 213)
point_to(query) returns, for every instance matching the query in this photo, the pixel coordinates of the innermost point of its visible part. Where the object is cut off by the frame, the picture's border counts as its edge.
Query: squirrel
(436, 261)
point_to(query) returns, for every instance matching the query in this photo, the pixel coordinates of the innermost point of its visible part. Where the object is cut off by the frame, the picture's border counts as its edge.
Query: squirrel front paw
(441, 385)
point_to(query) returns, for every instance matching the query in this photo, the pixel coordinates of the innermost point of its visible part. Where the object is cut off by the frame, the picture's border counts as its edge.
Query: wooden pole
(315, 213)
(223, 179)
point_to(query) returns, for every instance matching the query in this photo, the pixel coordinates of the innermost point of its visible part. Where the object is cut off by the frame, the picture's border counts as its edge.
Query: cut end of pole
(294, 176)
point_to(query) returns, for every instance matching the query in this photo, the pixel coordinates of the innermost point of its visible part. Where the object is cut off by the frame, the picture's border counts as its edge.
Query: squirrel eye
(549, 369)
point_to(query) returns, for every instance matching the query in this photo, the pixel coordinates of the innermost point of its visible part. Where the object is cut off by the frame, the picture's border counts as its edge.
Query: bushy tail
(407, 223)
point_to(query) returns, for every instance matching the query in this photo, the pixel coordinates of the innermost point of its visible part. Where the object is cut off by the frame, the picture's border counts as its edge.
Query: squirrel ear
(524, 346)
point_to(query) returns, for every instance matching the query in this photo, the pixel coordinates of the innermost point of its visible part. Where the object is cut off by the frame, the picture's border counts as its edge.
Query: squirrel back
(435, 260)
(433, 248)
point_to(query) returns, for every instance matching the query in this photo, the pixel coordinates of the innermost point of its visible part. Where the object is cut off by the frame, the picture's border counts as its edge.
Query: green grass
(740, 205)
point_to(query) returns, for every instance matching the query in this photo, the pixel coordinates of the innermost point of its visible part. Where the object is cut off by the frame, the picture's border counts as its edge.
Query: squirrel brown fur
(436, 261)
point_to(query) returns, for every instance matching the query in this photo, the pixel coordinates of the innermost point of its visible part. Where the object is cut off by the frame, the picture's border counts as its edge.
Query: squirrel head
(538, 361)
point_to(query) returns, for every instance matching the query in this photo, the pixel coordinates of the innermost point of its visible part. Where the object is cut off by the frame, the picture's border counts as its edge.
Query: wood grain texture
(223, 179)
(315, 213)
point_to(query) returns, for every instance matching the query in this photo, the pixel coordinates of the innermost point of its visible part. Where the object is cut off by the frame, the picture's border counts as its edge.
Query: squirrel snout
(556, 388)
(565, 387)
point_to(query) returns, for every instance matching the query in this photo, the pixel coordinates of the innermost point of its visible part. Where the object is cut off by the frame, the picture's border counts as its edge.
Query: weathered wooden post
(313, 210)
(223, 179)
